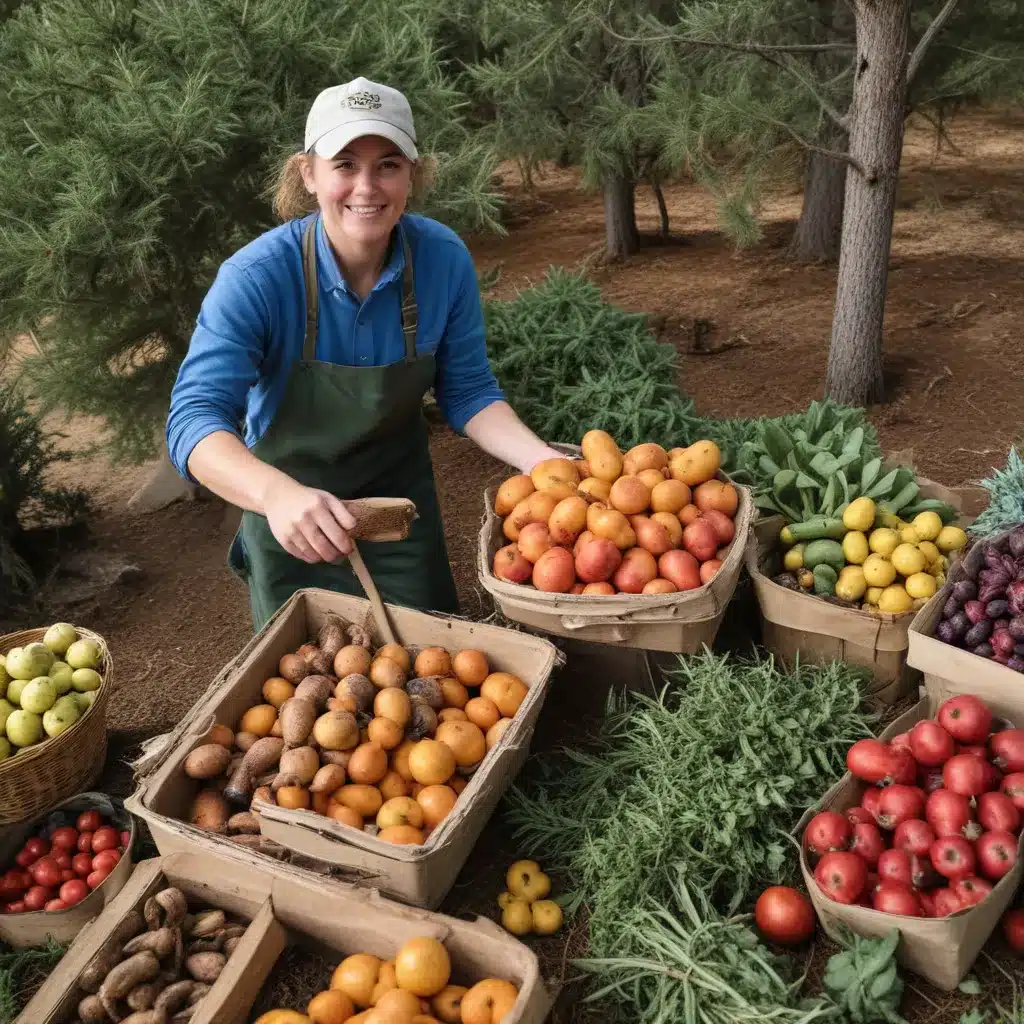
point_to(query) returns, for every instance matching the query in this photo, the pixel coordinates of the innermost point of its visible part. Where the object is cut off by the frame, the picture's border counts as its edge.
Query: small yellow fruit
(794, 558)
(921, 585)
(940, 580)
(786, 536)
(907, 560)
(547, 917)
(895, 600)
(951, 538)
(505, 899)
(919, 603)
(878, 571)
(526, 881)
(859, 514)
(883, 541)
(908, 535)
(851, 585)
(855, 547)
(928, 525)
(873, 594)
(930, 551)
(517, 918)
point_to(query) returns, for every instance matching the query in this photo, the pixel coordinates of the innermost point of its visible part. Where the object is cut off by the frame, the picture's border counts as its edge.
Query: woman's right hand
(308, 523)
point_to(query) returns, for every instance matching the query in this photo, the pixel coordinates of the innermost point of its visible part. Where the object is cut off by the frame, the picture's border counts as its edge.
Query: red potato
(126, 839)
(510, 565)
(725, 528)
(638, 568)
(81, 864)
(598, 560)
(105, 838)
(89, 821)
(106, 858)
(599, 589)
(36, 897)
(701, 540)
(555, 571)
(584, 538)
(46, 871)
(73, 892)
(55, 905)
(63, 858)
(681, 568)
(98, 877)
(66, 838)
(660, 586)
(709, 569)
(534, 540)
(84, 842)
(652, 536)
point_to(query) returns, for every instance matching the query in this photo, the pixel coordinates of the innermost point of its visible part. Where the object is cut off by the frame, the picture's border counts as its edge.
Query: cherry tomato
(67, 875)
(106, 859)
(66, 838)
(18, 907)
(98, 877)
(46, 871)
(89, 821)
(56, 905)
(63, 858)
(36, 897)
(84, 842)
(24, 878)
(38, 847)
(10, 885)
(25, 858)
(104, 839)
(74, 891)
(126, 840)
(81, 863)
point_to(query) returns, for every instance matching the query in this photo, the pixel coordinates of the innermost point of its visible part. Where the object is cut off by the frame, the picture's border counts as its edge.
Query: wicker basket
(43, 775)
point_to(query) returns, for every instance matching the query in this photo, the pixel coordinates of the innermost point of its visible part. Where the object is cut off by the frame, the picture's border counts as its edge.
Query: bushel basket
(41, 776)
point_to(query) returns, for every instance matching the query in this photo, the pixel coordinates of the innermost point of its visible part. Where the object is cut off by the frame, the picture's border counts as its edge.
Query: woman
(316, 344)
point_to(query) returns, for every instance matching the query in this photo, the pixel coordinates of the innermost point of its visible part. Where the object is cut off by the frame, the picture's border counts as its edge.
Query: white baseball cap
(360, 107)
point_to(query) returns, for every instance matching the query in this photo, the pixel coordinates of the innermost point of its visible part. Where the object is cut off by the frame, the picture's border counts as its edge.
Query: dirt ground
(954, 362)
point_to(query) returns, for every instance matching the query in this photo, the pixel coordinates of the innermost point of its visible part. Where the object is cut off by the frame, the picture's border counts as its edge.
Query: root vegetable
(359, 636)
(146, 1017)
(91, 1011)
(207, 761)
(359, 688)
(205, 966)
(262, 755)
(210, 945)
(424, 721)
(142, 997)
(174, 906)
(261, 793)
(244, 821)
(244, 740)
(207, 923)
(339, 757)
(331, 637)
(175, 996)
(124, 977)
(297, 717)
(230, 945)
(329, 778)
(199, 990)
(160, 943)
(293, 667)
(103, 962)
(209, 811)
(316, 688)
(427, 690)
(300, 761)
(318, 661)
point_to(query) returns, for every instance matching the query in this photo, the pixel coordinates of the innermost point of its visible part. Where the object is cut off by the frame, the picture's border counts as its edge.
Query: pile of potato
(647, 521)
(383, 741)
(158, 964)
(414, 988)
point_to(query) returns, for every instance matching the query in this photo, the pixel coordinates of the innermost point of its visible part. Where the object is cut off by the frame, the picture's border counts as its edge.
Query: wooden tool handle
(380, 613)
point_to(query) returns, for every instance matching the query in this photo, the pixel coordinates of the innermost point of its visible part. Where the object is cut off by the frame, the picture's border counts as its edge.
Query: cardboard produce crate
(943, 664)
(800, 624)
(420, 875)
(283, 906)
(23, 931)
(940, 950)
(680, 623)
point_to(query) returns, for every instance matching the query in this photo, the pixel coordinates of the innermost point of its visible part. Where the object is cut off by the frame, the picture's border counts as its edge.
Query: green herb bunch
(570, 362)
(1005, 508)
(693, 965)
(706, 780)
(864, 982)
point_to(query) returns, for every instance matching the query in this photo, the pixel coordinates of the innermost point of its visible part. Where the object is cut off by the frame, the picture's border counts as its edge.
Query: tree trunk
(876, 141)
(662, 210)
(619, 217)
(819, 230)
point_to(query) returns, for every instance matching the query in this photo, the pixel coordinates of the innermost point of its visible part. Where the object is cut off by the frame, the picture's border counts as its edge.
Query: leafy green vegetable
(864, 981)
(22, 971)
(1005, 508)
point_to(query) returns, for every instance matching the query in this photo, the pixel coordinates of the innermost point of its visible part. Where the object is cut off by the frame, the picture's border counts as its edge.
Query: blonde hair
(292, 199)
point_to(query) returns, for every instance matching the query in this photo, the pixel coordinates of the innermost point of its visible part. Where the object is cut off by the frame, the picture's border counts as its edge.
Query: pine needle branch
(759, 48)
(926, 40)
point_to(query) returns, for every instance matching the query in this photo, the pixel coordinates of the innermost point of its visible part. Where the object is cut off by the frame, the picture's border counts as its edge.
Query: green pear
(83, 679)
(60, 673)
(84, 654)
(59, 637)
(24, 728)
(39, 695)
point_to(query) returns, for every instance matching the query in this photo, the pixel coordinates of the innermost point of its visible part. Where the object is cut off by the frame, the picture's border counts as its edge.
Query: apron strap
(410, 313)
(312, 289)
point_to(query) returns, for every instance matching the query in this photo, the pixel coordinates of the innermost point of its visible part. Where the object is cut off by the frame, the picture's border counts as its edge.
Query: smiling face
(362, 190)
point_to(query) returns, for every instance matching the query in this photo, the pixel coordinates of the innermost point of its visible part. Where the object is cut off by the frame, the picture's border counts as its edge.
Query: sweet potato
(124, 977)
(110, 953)
(297, 716)
(209, 810)
(261, 756)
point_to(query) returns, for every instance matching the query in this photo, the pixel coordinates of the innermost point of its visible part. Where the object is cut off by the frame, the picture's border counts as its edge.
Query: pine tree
(564, 85)
(754, 78)
(138, 139)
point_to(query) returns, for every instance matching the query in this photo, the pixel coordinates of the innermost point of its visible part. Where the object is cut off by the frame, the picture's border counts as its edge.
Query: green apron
(358, 432)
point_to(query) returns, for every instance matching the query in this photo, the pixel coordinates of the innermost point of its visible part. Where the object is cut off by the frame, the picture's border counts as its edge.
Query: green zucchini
(824, 552)
(818, 528)
(825, 580)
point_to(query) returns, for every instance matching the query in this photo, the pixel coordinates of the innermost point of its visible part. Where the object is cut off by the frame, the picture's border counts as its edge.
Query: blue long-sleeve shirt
(251, 329)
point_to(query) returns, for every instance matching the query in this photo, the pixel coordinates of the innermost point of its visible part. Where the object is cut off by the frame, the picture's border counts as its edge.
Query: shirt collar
(327, 265)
